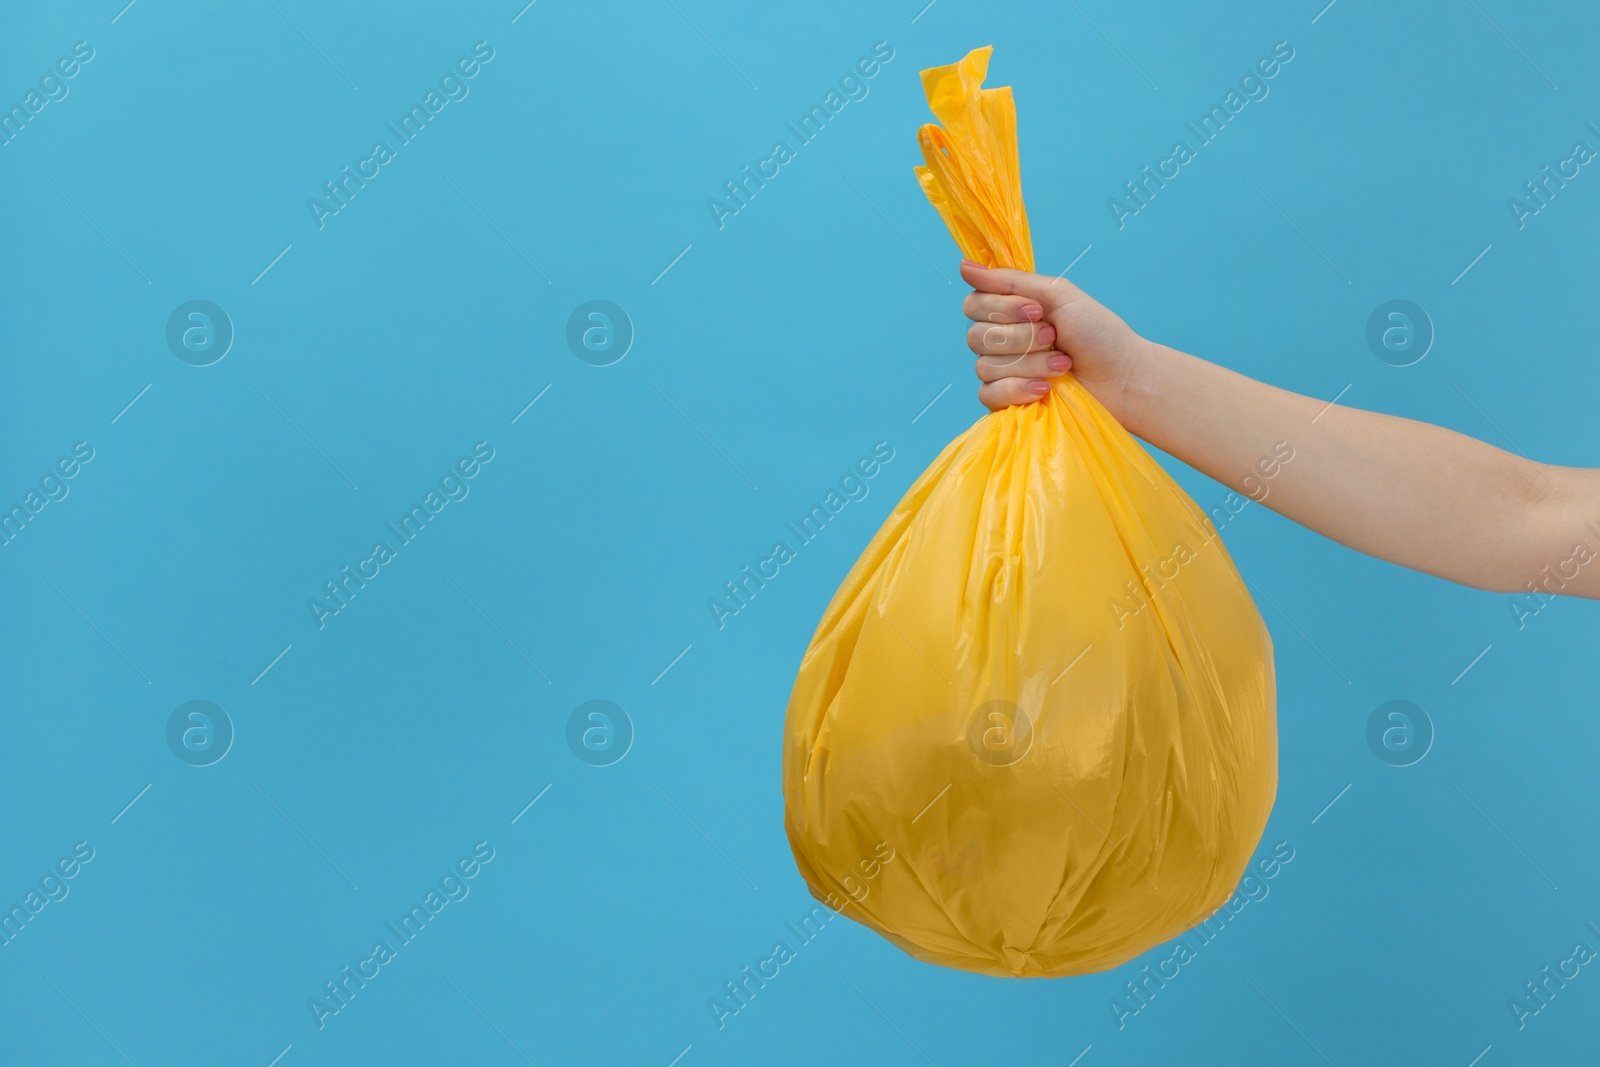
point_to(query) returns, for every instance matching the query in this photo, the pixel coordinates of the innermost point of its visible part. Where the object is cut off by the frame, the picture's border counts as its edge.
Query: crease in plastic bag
(1034, 733)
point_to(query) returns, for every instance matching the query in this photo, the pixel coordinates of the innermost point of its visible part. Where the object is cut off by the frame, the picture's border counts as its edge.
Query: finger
(1009, 392)
(990, 340)
(987, 307)
(1044, 290)
(1034, 365)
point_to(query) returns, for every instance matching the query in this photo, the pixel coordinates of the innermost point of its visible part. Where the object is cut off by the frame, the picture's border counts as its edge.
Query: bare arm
(1404, 491)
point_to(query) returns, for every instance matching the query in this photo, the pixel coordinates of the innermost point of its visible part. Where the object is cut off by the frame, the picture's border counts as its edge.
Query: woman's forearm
(1404, 491)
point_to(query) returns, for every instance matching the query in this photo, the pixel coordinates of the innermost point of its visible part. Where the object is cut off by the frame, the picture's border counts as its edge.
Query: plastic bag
(1035, 731)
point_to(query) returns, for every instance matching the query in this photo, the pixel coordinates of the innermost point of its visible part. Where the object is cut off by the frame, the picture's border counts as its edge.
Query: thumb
(1049, 292)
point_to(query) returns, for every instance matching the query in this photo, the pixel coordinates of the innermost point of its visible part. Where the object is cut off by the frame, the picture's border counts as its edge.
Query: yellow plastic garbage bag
(1035, 731)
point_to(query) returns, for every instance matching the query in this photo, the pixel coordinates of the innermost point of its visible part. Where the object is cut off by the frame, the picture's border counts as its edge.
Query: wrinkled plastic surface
(1035, 731)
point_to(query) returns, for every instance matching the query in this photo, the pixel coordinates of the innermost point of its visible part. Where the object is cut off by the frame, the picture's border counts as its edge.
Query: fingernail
(1038, 388)
(1060, 363)
(1047, 335)
(1032, 312)
(971, 263)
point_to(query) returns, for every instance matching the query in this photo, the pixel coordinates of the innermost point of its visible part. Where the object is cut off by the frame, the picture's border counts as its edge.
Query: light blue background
(821, 319)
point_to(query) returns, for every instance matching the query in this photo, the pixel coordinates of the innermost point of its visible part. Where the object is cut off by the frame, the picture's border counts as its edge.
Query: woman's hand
(1410, 493)
(1028, 328)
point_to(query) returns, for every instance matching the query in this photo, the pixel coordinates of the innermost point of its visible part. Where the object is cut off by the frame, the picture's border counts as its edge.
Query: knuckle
(1011, 365)
(975, 337)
